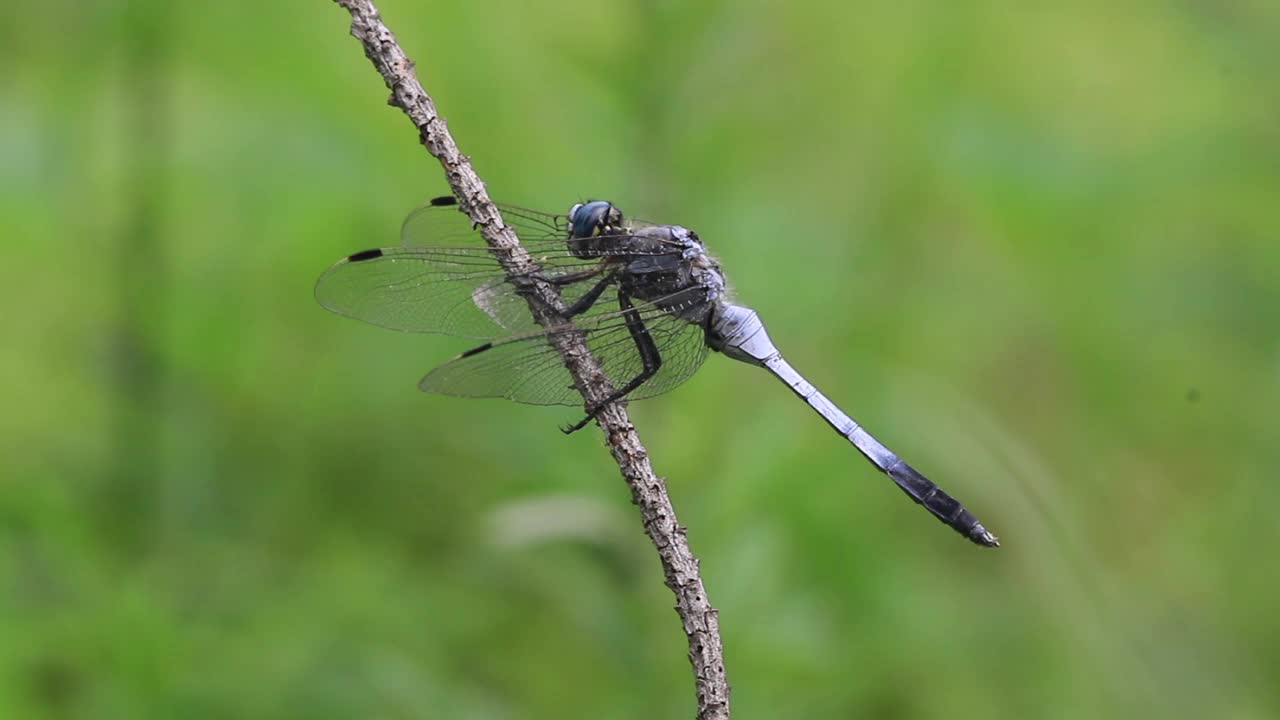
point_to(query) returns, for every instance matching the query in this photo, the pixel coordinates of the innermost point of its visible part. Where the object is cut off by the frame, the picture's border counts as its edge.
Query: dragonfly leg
(589, 298)
(649, 357)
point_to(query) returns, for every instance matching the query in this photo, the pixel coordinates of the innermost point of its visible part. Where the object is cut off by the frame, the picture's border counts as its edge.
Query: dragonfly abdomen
(918, 487)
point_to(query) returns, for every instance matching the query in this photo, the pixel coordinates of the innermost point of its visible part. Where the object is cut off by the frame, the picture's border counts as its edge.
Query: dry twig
(648, 491)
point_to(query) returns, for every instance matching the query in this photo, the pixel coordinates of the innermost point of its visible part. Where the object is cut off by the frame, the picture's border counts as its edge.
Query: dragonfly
(647, 299)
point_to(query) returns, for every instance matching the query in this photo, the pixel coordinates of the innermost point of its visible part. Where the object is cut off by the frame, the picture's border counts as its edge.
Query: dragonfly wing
(529, 368)
(458, 291)
(446, 279)
(454, 290)
(439, 221)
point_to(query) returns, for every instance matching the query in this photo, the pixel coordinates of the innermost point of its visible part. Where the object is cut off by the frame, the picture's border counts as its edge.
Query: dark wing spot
(444, 200)
(365, 255)
(476, 349)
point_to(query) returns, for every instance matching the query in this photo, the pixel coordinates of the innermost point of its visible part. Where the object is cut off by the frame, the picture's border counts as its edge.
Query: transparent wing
(446, 279)
(528, 369)
(453, 290)
(439, 222)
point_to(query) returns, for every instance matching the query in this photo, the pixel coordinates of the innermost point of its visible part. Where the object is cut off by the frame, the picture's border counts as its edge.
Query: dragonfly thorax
(668, 266)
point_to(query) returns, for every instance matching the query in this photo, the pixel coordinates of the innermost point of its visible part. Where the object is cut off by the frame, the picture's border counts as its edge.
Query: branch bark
(648, 491)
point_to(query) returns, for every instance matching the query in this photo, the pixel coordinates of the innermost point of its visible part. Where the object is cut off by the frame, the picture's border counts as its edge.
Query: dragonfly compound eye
(590, 218)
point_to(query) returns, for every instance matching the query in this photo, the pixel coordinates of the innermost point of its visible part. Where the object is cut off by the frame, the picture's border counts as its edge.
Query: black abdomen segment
(937, 501)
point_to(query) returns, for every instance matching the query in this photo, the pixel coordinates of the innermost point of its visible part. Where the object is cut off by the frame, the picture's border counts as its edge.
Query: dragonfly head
(597, 217)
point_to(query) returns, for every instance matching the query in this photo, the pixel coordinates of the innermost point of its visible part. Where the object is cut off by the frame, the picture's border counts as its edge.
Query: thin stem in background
(141, 273)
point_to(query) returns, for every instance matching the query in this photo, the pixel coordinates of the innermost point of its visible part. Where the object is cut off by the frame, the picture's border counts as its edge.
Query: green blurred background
(1036, 250)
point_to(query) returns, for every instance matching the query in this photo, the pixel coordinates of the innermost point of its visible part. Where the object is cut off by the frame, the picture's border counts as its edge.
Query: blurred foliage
(1035, 249)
